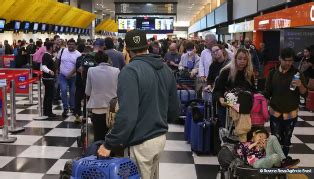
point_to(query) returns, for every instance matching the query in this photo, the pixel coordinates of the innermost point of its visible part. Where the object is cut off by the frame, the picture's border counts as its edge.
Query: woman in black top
(49, 70)
(220, 59)
(237, 74)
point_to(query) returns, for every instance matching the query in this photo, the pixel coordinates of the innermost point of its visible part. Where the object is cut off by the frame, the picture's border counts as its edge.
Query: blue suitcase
(201, 133)
(113, 168)
(197, 103)
(187, 125)
(185, 97)
(200, 137)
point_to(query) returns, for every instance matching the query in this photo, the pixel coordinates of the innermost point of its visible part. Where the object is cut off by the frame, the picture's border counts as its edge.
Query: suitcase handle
(102, 158)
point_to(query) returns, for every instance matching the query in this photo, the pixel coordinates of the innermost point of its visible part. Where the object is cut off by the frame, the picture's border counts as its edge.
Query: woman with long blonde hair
(237, 74)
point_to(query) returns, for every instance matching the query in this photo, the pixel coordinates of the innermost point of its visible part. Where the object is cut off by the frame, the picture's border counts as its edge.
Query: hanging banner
(298, 16)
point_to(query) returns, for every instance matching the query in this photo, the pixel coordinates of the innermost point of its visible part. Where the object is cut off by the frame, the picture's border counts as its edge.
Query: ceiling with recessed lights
(186, 9)
(104, 7)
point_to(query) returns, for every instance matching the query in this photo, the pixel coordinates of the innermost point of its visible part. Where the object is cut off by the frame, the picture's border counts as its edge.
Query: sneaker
(289, 162)
(55, 102)
(72, 112)
(52, 115)
(65, 113)
(77, 119)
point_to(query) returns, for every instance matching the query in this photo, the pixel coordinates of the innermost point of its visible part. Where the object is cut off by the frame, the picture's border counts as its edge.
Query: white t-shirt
(68, 61)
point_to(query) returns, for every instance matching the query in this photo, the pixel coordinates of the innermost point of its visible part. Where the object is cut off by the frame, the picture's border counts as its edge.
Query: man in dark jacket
(147, 99)
(284, 102)
(8, 48)
(115, 56)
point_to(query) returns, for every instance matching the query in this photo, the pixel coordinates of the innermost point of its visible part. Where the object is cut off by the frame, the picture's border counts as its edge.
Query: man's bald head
(247, 42)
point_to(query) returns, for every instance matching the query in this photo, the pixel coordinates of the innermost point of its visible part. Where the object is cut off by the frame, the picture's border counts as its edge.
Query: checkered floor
(43, 148)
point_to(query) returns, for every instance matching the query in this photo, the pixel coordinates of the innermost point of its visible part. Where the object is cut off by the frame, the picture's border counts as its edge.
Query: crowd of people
(140, 73)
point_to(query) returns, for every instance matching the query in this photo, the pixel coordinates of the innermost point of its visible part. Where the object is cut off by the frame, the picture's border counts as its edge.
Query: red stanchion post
(13, 128)
(5, 132)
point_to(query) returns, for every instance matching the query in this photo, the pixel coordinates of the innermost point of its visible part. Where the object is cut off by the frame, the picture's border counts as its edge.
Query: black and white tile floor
(43, 148)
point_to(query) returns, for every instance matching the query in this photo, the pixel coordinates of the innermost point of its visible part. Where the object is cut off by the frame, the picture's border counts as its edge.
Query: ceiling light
(193, 4)
(149, 4)
(190, 7)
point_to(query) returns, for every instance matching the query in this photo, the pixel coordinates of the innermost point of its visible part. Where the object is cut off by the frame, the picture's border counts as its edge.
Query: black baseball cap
(99, 42)
(135, 40)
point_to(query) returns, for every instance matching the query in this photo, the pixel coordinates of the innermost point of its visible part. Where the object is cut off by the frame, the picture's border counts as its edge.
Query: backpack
(113, 109)
(226, 155)
(38, 56)
(259, 112)
(15, 51)
(190, 64)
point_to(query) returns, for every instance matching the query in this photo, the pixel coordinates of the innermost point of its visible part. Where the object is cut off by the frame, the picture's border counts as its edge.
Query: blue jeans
(283, 130)
(64, 84)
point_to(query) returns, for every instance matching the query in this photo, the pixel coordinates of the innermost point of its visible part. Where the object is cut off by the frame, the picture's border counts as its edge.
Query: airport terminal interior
(37, 143)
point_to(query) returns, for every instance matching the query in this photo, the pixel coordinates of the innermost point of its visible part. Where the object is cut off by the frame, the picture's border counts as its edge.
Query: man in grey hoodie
(147, 99)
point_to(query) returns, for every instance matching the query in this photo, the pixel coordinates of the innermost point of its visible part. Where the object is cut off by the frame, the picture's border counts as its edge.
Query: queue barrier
(19, 75)
(7, 61)
(13, 83)
(5, 133)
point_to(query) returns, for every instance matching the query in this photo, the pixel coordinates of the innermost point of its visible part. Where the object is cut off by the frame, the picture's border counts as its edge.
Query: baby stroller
(232, 167)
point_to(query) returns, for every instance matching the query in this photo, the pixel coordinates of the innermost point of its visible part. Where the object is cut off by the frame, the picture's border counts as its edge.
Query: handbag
(310, 84)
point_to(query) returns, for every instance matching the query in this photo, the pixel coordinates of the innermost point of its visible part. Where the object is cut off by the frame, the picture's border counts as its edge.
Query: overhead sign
(297, 16)
(146, 8)
(247, 26)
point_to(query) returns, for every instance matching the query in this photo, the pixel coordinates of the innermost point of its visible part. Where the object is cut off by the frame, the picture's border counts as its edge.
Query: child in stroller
(263, 151)
(260, 151)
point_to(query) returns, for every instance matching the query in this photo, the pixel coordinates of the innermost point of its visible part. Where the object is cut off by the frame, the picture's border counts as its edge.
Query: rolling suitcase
(189, 117)
(201, 133)
(101, 168)
(187, 125)
(185, 97)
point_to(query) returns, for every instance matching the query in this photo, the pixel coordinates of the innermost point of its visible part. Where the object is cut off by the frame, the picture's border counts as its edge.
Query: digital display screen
(17, 25)
(127, 24)
(61, 28)
(66, 29)
(163, 24)
(75, 30)
(56, 28)
(35, 26)
(26, 26)
(43, 27)
(145, 23)
(79, 31)
(2, 23)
